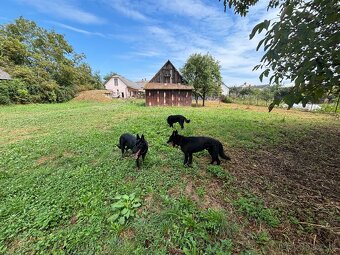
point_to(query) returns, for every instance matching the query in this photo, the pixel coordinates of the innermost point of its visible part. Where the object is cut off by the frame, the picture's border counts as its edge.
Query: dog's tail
(222, 154)
(119, 146)
(187, 121)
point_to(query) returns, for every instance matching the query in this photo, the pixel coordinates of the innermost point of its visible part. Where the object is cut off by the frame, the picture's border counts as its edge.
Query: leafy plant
(254, 208)
(261, 238)
(124, 208)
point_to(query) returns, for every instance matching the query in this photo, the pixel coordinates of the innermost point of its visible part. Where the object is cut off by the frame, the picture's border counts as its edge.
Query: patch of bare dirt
(128, 234)
(302, 179)
(44, 159)
(93, 95)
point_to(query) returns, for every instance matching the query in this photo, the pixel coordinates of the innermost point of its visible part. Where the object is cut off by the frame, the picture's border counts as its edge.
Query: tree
(45, 62)
(203, 73)
(301, 46)
(108, 76)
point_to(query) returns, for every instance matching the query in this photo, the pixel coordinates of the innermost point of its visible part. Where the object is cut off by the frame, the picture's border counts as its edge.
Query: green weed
(254, 208)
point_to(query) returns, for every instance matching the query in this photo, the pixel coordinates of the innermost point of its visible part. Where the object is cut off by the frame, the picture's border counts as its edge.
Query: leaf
(259, 27)
(124, 211)
(260, 43)
(136, 205)
(126, 197)
(121, 220)
(113, 217)
(118, 204)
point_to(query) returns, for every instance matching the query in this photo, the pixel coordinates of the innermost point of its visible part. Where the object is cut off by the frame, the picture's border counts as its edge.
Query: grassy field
(65, 189)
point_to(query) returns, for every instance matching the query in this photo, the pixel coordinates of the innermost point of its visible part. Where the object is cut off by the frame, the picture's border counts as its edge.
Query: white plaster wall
(121, 88)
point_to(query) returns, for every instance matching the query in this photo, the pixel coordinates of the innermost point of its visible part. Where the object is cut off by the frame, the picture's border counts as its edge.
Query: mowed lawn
(61, 173)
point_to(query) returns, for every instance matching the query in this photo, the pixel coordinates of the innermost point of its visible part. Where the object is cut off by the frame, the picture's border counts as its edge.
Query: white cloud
(78, 30)
(65, 10)
(224, 37)
(126, 8)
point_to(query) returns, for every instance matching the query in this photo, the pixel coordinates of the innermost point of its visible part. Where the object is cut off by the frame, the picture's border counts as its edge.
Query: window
(116, 81)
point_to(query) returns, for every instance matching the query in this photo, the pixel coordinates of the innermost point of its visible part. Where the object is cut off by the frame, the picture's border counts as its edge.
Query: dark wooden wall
(168, 97)
(167, 74)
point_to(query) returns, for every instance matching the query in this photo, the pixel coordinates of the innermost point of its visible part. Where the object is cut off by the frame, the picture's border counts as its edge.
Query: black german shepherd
(177, 119)
(192, 144)
(138, 145)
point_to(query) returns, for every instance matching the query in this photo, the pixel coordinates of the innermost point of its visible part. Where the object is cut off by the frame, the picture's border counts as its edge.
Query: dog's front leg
(186, 159)
(137, 162)
(190, 160)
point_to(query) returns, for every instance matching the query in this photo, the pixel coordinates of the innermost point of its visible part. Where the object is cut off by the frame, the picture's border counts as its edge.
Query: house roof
(141, 83)
(130, 84)
(170, 86)
(166, 63)
(4, 75)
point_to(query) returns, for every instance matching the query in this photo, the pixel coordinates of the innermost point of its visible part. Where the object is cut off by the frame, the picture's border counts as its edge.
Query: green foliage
(203, 73)
(195, 231)
(124, 208)
(220, 173)
(301, 46)
(261, 238)
(226, 99)
(60, 170)
(254, 208)
(108, 76)
(44, 61)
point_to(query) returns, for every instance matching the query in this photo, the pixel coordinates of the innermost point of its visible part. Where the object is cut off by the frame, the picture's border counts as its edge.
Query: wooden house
(166, 88)
(120, 87)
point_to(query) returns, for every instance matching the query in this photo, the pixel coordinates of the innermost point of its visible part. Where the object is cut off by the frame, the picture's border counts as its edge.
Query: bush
(13, 91)
(226, 99)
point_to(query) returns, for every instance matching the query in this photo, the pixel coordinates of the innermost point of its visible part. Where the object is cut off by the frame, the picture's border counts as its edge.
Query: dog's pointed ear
(142, 137)
(138, 137)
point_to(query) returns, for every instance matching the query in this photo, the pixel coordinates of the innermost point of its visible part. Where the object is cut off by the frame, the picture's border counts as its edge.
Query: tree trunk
(196, 99)
(203, 97)
(337, 104)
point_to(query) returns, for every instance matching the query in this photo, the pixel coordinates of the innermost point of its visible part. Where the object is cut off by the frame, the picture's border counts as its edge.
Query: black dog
(138, 145)
(192, 144)
(177, 119)
(126, 142)
(140, 149)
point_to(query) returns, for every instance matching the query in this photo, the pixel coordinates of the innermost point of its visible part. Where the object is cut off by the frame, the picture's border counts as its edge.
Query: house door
(122, 94)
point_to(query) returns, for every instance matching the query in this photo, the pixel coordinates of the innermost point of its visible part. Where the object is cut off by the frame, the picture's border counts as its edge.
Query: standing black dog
(192, 144)
(138, 145)
(177, 119)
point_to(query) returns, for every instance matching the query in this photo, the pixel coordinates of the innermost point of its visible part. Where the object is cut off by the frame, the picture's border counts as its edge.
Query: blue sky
(136, 37)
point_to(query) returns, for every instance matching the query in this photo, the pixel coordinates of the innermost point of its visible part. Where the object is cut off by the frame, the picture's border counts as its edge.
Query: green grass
(60, 171)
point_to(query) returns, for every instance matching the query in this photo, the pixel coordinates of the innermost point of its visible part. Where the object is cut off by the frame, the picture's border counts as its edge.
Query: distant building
(120, 87)
(166, 88)
(4, 75)
(142, 83)
(225, 90)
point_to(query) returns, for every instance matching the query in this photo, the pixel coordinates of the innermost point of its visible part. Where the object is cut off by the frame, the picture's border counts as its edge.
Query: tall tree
(203, 73)
(301, 46)
(44, 61)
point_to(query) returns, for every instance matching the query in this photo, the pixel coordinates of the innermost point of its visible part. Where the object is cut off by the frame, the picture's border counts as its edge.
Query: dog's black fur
(140, 149)
(192, 144)
(177, 119)
(138, 145)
